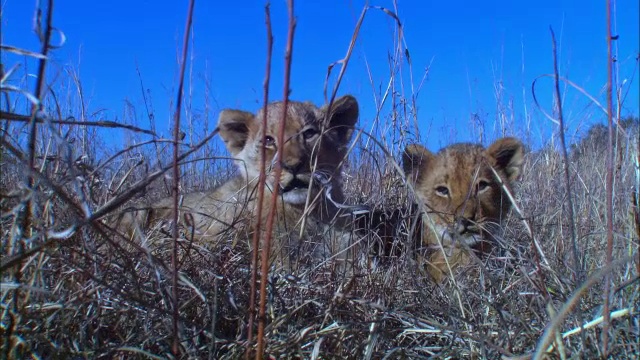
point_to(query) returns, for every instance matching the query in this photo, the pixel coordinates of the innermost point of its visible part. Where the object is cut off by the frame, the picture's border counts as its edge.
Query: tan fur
(315, 145)
(465, 202)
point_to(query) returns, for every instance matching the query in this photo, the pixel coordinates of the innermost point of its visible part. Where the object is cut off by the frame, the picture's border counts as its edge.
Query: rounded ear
(415, 160)
(507, 154)
(234, 127)
(343, 117)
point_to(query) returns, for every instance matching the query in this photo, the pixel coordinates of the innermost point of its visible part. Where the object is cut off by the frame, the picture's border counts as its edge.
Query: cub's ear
(235, 127)
(415, 161)
(507, 154)
(343, 117)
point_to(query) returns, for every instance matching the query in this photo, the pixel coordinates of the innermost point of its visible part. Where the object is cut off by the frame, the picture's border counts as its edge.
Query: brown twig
(278, 170)
(33, 133)
(577, 264)
(608, 186)
(101, 123)
(261, 185)
(176, 180)
(572, 226)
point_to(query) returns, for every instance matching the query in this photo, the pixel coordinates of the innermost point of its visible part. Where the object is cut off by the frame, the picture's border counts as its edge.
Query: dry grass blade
(25, 222)
(570, 304)
(126, 150)
(145, 354)
(271, 217)
(101, 123)
(5, 75)
(23, 52)
(635, 198)
(570, 83)
(32, 99)
(73, 271)
(261, 185)
(578, 269)
(142, 184)
(608, 183)
(345, 61)
(636, 220)
(577, 263)
(595, 322)
(635, 204)
(176, 181)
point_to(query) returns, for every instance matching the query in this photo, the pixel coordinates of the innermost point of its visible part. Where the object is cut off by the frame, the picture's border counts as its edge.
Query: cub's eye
(309, 133)
(483, 185)
(442, 191)
(269, 140)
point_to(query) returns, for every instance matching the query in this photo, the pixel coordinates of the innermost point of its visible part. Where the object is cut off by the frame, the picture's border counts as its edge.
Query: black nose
(466, 222)
(464, 225)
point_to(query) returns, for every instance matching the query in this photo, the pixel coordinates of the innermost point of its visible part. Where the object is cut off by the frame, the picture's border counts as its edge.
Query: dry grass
(74, 288)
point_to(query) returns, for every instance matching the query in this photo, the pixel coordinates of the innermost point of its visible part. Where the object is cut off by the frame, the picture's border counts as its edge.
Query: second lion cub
(463, 189)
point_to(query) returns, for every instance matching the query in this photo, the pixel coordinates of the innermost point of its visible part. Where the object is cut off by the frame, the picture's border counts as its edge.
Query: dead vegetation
(74, 288)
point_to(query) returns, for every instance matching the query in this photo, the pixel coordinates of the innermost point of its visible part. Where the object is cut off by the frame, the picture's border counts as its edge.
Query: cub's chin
(296, 196)
(295, 192)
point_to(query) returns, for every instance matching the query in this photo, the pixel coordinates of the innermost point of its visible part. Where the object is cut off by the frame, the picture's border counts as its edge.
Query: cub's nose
(464, 225)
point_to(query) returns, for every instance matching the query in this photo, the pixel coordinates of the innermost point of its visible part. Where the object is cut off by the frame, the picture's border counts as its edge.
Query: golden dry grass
(74, 288)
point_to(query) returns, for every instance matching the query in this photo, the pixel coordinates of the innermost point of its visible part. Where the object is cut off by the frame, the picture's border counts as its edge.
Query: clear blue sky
(471, 46)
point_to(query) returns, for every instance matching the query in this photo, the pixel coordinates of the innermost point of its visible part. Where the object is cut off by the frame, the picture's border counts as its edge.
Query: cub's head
(463, 196)
(312, 137)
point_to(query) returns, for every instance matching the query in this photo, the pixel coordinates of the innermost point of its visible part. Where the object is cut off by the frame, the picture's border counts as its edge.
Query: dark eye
(442, 191)
(483, 185)
(269, 141)
(309, 133)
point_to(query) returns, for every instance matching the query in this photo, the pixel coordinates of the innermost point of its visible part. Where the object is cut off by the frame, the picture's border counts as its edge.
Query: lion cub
(314, 148)
(464, 198)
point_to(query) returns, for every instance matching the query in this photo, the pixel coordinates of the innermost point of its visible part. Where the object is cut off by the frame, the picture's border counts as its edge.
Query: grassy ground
(73, 288)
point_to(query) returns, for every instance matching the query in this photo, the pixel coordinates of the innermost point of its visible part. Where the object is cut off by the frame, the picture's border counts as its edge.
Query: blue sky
(469, 46)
